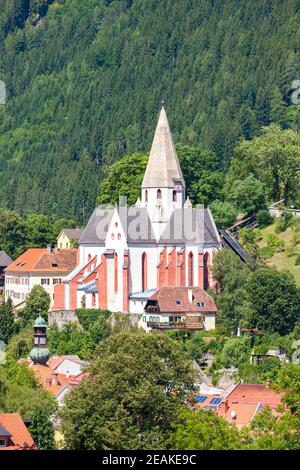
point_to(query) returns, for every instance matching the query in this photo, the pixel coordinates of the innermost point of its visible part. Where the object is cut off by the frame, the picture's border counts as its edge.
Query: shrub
(297, 260)
(267, 251)
(274, 240)
(264, 218)
(88, 316)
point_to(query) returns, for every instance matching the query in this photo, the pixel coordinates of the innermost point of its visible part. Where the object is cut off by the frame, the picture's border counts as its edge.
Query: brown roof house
(43, 266)
(14, 435)
(180, 308)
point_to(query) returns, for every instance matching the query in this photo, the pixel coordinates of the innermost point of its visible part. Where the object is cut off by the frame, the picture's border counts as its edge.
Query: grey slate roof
(73, 233)
(135, 222)
(186, 226)
(5, 260)
(163, 168)
(190, 226)
(96, 230)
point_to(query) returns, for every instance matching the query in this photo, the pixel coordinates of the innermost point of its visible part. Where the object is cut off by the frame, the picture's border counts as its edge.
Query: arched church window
(174, 196)
(191, 269)
(159, 194)
(116, 273)
(146, 196)
(144, 272)
(206, 270)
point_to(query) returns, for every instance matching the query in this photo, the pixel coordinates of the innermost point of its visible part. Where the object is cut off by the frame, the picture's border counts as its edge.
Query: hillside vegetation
(85, 79)
(282, 249)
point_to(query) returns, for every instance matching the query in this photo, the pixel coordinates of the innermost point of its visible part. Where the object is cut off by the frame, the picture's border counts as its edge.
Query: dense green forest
(85, 79)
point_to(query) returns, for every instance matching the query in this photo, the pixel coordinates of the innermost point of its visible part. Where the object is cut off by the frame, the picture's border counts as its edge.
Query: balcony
(196, 324)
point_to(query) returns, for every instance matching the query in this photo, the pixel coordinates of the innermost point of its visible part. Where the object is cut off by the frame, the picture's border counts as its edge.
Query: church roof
(190, 226)
(163, 168)
(135, 222)
(96, 230)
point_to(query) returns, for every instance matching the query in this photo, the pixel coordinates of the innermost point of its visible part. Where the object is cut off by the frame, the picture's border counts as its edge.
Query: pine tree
(7, 324)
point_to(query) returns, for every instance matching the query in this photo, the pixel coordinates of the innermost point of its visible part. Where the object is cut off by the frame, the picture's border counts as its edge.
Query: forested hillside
(85, 79)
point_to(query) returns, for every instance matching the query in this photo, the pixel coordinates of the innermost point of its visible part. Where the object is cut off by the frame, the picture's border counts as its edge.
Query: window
(191, 270)
(36, 340)
(146, 196)
(178, 302)
(116, 273)
(56, 281)
(200, 304)
(159, 194)
(45, 281)
(3, 443)
(144, 272)
(42, 340)
(67, 245)
(93, 299)
(174, 196)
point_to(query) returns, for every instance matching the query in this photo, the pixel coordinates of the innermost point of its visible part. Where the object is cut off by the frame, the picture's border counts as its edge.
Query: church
(126, 254)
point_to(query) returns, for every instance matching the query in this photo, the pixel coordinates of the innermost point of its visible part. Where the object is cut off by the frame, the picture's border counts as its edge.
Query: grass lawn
(283, 259)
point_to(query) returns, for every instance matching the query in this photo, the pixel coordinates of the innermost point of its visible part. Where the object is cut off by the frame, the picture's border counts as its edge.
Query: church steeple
(163, 186)
(163, 169)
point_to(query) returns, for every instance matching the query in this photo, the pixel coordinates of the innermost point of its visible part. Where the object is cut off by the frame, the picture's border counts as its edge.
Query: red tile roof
(20, 438)
(240, 414)
(168, 299)
(40, 260)
(254, 394)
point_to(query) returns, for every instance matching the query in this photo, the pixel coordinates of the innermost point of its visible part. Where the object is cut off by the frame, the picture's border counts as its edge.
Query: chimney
(49, 248)
(54, 378)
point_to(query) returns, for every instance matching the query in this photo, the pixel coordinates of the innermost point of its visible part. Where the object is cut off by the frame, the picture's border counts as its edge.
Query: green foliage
(72, 339)
(273, 158)
(132, 396)
(42, 430)
(286, 221)
(202, 430)
(236, 351)
(69, 340)
(200, 169)
(7, 324)
(247, 194)
(21, 344)
(224, 213)
(232, 275)
(87, 316)
(35, 231)
(274, 299)
(78, 106)
(22, 393)
(37, 304)
(118, 183)
(274, 241)
(264, 218)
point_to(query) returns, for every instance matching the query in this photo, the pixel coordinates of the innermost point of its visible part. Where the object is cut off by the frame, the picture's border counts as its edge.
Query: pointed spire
(163, 168)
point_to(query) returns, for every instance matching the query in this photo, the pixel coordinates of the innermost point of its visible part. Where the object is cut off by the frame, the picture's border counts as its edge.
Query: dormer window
(159, 194)
(200, 304)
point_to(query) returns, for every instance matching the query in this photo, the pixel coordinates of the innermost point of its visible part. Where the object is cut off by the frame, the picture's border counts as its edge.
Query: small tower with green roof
(40, 352)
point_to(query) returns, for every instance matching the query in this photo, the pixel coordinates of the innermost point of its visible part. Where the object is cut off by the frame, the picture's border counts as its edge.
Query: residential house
(179, 308)
(37, 266)
(68, 237)
(59, 374)
(14, 434)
